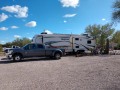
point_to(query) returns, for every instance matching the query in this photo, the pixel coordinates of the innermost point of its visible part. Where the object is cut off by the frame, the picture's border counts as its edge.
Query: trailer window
(76, 38)
(77, 46)
(89, 42)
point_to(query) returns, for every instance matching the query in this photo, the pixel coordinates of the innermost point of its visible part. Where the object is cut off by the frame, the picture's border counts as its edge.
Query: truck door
(29, 50)
(40, 51)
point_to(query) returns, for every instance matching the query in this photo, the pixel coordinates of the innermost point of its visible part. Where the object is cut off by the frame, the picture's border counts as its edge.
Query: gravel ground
(68, 73)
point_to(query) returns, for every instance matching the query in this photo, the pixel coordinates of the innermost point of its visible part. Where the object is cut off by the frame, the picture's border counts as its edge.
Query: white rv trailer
(69, 42)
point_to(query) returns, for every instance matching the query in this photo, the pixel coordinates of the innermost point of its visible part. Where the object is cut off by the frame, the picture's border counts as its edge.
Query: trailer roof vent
(85, 34)
(44, 33)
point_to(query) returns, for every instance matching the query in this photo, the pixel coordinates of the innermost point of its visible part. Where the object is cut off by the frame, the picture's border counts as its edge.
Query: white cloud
(14, 27)
(107, 21)
(30, 38)
(21, 12)
(103, 19)
(17, 36)
(31, 24)
(3, 28)
(2, 42)
(65, 21)
(69, 15)
(3, 17)
(70, 3)
(48, 32)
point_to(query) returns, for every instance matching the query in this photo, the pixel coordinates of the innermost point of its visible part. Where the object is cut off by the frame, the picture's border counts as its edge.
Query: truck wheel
(17, 57)
(57, 56)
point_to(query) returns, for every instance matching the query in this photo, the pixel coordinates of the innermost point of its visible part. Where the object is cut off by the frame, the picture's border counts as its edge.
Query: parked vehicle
(69, 42)
(6, 50)
(34, 50)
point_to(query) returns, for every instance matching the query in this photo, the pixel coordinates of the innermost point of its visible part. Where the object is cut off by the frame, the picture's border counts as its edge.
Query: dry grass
(2, 53)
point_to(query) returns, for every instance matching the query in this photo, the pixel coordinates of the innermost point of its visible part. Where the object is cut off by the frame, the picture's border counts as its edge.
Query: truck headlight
(10, 51)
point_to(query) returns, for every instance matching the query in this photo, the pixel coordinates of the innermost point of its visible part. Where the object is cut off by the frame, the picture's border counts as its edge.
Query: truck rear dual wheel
(57, 56)
(17, 57)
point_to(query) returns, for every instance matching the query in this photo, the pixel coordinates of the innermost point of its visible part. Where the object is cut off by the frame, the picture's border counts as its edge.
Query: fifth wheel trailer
(69, 42)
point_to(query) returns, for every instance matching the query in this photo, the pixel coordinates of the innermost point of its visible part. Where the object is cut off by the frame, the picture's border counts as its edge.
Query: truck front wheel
(57, 56)
(17, 57)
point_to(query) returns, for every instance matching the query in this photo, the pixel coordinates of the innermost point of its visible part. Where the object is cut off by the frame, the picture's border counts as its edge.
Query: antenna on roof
(44, 30)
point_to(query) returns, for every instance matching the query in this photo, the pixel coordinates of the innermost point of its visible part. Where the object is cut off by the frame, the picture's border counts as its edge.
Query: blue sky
(25, 18)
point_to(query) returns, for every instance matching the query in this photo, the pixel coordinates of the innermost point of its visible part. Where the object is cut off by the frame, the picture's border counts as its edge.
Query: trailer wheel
(57, 55)
(80, 53)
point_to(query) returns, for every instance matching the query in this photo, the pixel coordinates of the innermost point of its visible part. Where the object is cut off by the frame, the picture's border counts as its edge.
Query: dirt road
(68, 73)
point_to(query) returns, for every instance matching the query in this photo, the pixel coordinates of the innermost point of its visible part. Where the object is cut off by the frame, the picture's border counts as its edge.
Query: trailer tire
(80, 53)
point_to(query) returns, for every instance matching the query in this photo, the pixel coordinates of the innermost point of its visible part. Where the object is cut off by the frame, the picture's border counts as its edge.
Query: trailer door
(38, 39)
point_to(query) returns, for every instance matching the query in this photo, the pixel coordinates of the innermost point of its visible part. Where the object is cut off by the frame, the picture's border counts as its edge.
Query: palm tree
(116, 12)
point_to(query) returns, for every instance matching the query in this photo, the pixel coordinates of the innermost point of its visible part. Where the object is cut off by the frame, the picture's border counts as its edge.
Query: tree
(0, 47)
(116, 40)
(25, 41)
(94, 30)
(8, 45)
(21, 42)
(105, 32)
(101, 33)
(107, 47)
(116, 37)
(17, 42)
(116, 12)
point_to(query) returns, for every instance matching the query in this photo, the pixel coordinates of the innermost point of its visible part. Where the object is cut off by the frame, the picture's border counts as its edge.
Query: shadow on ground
(7, 61)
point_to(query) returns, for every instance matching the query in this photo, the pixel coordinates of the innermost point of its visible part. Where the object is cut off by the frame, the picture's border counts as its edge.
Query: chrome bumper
(9, 56)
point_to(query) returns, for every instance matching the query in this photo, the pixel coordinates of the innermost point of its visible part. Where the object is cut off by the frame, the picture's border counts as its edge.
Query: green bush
(117, 47)
(0, 48)
(17, 42)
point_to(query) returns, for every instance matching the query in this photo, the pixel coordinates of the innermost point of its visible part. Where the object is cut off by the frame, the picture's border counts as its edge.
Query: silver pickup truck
(34, 50)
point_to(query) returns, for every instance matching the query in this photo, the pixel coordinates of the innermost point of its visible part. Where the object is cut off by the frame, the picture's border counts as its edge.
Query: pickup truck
(34, 50)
